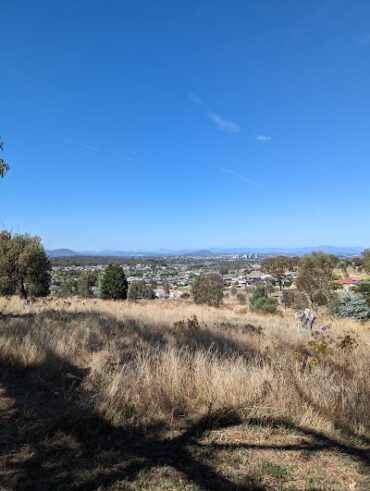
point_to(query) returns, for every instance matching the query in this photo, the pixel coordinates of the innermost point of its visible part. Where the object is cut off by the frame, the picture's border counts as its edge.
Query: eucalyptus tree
(4, 167)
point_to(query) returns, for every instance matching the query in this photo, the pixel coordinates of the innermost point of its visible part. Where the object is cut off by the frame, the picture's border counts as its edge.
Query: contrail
(238, 176)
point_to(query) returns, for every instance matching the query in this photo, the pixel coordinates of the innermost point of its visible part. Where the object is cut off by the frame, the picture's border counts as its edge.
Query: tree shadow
(130, 335)
(66, 444)
(66, 437)
(319, 441)
(331, 415)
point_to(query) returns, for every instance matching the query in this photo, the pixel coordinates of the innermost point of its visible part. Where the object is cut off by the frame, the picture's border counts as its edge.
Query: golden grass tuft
(139, 364)
(142, 366)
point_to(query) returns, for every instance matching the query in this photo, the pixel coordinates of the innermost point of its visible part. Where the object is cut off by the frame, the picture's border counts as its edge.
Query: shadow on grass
(69, 441)
(129, 334)
(52, 438)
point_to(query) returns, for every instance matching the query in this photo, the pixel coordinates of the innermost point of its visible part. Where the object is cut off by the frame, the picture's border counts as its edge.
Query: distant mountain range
(298, 251)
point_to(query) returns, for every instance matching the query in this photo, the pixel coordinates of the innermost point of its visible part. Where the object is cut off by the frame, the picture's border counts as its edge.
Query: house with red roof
(346, 283)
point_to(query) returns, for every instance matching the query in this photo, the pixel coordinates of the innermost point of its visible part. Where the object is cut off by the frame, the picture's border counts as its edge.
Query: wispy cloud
(238, 176)
(262, 138)
(223, 124)
(74, 142)
(196, 99)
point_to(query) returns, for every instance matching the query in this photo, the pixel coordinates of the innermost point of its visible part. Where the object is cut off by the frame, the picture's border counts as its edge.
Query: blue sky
(181, 124)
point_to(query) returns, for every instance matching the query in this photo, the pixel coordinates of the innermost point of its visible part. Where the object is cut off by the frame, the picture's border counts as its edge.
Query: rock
(305, 319)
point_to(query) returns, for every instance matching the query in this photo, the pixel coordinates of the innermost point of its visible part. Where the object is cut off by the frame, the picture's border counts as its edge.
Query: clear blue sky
(178, 124)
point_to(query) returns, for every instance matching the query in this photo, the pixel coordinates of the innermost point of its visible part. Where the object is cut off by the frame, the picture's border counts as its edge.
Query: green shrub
(68, 288)
(139, 290)
(351, 305)
(208, 289)
(113, 284)
(264, 304)
(261, 302)
(294, 299)
(241, 298)
(85, 284)
(364, 290)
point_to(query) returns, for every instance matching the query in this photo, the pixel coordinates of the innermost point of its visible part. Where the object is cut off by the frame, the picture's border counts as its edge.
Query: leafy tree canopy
(86, 282)
(113, 284)
(352, 305)
(366, 260)
(261, 302)
(4, 167)
(315, 277)
(138, 290)
(24, 266)
(208, 289)
(276, 267)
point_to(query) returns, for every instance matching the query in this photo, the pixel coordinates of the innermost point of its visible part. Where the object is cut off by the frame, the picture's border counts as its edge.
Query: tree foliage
(68, 287)
(208, 289)
(138, 290)
(261, 302)
(113, 284)
(166, 286)
(276, 267)
(294, 299)
(366, 260)
(241, 298)
(352, 305)
(315, 277)
(4, 167)
(24, 266)
(233, 290)
(364, 290)
(86, 282)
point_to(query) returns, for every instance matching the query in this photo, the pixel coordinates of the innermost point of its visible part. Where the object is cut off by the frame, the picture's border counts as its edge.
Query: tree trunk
(22, 292)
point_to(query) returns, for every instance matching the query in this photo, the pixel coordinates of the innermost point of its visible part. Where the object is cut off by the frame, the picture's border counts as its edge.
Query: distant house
(228, 280)
(161, 293)
(258, 276)
(242, 280)
(290, 274)
(347, 283)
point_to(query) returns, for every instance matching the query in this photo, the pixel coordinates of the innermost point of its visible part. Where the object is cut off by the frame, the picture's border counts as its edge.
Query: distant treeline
(80, 260)
(95, 260)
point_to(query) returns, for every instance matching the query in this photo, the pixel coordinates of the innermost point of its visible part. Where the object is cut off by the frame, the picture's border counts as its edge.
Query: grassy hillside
(118, 395)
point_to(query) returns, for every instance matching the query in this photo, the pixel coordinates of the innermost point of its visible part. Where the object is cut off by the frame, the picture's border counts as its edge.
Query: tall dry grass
(141, 365)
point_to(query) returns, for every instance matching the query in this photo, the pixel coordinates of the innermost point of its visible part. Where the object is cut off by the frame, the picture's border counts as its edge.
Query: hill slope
(143, 396)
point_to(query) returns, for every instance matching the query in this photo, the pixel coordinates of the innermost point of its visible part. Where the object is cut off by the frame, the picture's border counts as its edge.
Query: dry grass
(76, 374)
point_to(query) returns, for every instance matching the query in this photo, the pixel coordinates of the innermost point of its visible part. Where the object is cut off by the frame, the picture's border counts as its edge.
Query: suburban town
(171, 277)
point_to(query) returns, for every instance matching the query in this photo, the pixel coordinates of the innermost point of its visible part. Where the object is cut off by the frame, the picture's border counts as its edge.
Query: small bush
(191, 323)
(261, 302)
(264, 304)
(113, 284)
(352, 305)
(364, 290)
(294, 299)
(139, 290)
(85, 284)
(240, 298)
(208, 289)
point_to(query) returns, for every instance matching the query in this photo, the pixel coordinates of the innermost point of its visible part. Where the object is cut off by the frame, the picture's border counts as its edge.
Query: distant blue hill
(62, 253)
(299, 251)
